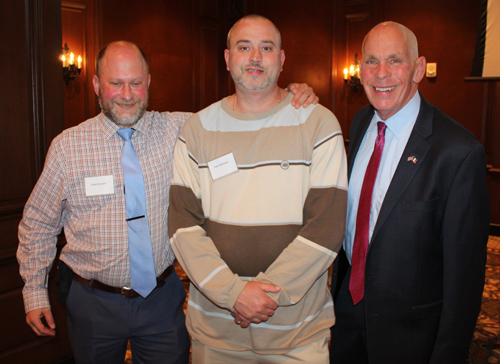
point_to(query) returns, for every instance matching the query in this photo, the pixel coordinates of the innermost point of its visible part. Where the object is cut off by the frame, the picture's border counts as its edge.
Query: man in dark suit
(417, 220)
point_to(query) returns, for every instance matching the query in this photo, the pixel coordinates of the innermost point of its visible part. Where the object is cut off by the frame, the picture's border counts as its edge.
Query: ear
(149, 80)
(226, 57)
(282, 59)
(419, 69)
(361, 72)
(96, 83)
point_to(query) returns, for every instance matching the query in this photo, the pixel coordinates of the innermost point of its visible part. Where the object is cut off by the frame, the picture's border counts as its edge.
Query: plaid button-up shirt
(95, 226)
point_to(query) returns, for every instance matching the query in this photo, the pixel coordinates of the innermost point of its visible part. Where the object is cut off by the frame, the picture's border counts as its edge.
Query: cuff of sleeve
(235, 293)
(276, 297)
(34, 299)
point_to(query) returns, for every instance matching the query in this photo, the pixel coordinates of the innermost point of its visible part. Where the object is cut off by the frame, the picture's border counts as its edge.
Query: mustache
(255, 65)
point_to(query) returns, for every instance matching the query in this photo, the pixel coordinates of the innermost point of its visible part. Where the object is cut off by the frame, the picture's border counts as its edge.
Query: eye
(244, 48)
(267, 48)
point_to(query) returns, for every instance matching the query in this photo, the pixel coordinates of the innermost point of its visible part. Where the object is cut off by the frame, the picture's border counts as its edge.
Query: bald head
(120, 46)
(121, 82)
(409, 37)
(391, 69)
(253, 17)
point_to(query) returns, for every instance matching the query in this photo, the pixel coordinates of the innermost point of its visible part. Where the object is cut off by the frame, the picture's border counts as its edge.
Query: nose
(382, 71)
(256, 56)
(126, 93)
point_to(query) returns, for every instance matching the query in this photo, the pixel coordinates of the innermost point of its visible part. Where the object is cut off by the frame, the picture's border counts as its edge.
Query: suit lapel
(417, 147)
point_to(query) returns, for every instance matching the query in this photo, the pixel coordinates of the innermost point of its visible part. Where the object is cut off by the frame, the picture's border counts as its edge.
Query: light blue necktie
(142, 269)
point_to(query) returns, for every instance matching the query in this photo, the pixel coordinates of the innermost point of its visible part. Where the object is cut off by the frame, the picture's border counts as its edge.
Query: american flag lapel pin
(412, 159)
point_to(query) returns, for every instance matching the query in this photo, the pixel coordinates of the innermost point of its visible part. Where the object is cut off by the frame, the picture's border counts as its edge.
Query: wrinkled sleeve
(196, 251)
(465, 236)
(41, 224)
(310, 254)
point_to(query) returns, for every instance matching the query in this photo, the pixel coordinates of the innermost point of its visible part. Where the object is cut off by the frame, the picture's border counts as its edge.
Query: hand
(254, 304)
(240, 320)
(303, 95)
(34, 320)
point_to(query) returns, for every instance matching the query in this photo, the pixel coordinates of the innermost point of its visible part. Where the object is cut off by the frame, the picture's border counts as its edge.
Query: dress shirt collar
(109, 128)
(399, 123)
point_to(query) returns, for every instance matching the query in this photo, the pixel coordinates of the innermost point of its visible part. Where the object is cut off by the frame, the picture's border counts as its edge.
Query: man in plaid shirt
(82, 189)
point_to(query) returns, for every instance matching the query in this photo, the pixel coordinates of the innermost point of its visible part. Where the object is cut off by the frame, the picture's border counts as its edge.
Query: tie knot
(126, 134)
(381, 128)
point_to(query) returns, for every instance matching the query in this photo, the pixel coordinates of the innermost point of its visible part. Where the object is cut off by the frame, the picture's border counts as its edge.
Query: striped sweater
(279, 218)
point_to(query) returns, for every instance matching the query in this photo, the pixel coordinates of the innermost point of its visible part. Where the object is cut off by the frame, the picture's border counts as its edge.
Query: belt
(126, 292)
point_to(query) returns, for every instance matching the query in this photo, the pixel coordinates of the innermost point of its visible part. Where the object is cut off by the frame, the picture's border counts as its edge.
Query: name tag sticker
(102, 185)
(222, 166)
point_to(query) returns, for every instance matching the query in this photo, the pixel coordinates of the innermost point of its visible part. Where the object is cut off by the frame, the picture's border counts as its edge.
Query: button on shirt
(399, 127)
(95, 226)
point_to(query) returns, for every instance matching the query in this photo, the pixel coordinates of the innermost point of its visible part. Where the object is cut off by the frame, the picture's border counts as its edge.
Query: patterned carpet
(485, 346)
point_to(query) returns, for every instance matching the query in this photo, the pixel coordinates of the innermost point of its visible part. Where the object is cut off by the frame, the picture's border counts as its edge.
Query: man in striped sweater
(257, 213)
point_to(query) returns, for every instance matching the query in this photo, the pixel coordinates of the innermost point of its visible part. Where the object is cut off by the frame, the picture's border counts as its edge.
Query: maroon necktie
(360, 246)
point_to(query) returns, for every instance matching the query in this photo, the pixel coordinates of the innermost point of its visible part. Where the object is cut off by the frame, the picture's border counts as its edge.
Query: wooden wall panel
(355, 23)
(306, 33)
(32, 114)
(164, 30)
(74, 32)
(80, 30)
(492, 136)
(447, 35)
(208, 51)
(15, 106)
(210, 55)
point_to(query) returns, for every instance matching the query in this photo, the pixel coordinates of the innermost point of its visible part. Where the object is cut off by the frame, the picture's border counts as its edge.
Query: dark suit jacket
(425, 264)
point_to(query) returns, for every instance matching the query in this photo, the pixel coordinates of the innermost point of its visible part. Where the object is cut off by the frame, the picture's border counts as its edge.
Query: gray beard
(131, 120)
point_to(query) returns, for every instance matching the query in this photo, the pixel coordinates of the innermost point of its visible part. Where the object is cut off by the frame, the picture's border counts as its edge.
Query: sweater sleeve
(310, 254)
(194, 250)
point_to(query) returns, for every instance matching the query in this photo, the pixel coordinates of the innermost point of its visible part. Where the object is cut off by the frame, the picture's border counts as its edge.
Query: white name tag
(102, 185)
(222, 166)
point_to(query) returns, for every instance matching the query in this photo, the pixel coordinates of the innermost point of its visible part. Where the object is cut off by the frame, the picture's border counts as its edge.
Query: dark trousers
(101, 323)
(348, 345)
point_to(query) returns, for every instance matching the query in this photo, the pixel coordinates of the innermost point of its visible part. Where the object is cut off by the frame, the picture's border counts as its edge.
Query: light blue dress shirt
(399, 127)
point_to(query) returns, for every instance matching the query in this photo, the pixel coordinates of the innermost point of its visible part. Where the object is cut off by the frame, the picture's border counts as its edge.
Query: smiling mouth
(254, 70)
(126, 105)
(383, 89)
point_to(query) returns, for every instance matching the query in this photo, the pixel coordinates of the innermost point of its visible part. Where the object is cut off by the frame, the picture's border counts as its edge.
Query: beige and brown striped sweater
(279, 218)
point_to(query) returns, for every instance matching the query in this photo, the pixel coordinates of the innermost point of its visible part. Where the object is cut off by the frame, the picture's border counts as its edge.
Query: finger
(270, 288)
(50, 319)
(35, 329)
(40, 329)
(245, 324)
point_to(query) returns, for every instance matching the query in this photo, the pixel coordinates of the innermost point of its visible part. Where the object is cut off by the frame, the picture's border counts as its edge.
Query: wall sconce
(70, 70)
(351, 77)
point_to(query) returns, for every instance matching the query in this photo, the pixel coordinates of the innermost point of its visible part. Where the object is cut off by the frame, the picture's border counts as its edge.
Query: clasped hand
(253, 304)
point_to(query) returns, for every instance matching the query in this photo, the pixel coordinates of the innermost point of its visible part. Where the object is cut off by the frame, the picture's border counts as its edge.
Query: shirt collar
(109, 128)
(402, 120)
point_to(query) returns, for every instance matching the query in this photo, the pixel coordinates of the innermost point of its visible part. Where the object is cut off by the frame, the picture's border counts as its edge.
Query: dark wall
(306, 34)
(446, 31)
(32, 114)
(164, 30)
